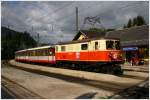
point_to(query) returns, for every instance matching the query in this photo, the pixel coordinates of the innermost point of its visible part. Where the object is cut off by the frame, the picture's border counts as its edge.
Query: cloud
(55, 21)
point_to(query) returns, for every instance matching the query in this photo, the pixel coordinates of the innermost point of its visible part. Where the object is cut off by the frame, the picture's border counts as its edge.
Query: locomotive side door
(51, 54)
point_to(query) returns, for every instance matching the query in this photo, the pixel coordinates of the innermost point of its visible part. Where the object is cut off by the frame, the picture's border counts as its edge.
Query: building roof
(89, 34)
(135, 42)
(138, 35)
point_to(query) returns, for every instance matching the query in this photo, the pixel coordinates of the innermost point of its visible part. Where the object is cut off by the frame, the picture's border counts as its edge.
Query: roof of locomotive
(86, 40)
(36, 48)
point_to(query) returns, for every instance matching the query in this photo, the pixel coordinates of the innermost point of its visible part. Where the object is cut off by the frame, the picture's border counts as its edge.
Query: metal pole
(77, 19)
(38, 39)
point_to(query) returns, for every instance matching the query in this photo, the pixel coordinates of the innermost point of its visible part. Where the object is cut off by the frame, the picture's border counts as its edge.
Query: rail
(18, 91)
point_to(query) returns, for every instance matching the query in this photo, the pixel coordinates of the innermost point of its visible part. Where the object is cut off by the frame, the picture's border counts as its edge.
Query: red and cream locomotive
(102, 54)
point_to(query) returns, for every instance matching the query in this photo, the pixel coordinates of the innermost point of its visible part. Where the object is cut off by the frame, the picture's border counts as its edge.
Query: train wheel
(117, 70)
(73, 66)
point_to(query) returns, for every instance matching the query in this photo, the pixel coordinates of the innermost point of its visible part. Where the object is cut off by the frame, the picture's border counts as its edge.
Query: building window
(96, 45)
(84, 46)
(63, 48)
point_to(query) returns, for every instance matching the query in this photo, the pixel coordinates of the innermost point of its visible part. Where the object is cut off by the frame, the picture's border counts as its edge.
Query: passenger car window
(84, 46)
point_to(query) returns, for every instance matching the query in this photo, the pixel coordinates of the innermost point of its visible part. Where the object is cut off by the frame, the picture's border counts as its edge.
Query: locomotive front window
(110, 45)
(84, 46)
(117, 45)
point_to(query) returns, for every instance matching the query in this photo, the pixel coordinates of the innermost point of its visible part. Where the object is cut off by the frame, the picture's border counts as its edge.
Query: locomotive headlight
(120, 55)
(115, 56)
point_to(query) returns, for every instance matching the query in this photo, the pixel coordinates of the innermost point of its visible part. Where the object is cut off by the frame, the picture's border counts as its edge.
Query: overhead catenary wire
(112, 10)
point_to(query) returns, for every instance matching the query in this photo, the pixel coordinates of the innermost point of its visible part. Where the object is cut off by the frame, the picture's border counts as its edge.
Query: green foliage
(129, 23)
(110, 30)
(134, 21)
(96, 30)
(137, 21)
(100, 30)
(12, 41)
(140, 21)
(124, 26)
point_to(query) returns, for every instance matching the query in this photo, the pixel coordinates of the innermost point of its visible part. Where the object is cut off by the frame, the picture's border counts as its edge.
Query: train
(100, 54)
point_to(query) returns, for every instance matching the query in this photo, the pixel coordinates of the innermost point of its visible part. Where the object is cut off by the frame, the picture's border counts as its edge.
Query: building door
(128, 56)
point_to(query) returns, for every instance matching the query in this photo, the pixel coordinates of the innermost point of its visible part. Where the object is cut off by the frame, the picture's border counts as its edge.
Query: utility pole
(77, 19)
(51, 26)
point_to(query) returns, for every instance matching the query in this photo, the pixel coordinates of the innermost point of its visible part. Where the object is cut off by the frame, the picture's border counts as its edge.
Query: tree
(12, 41)
(136, 21)
(124, 26)
(140, 21)
(96, 30)
(129, 23)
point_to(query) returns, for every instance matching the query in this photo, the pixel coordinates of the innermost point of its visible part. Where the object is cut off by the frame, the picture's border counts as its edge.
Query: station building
(134, 40)
(85, 34)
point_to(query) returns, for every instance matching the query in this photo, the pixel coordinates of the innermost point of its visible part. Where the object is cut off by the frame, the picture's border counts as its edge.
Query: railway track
(15, 90)
(139, 91)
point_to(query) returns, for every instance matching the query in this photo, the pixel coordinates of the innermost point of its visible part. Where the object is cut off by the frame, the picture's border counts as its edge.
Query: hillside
(12, 41)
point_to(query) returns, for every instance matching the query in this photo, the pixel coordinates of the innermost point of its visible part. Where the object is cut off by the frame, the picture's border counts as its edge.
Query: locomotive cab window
(110, 45)
(84, 46)
(96, 45)
(63, 48)
(56, 48)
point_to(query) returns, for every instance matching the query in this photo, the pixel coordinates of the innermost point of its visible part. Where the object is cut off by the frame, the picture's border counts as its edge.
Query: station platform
(117, 80)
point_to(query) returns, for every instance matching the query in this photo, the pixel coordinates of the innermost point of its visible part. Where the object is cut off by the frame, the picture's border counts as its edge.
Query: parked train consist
(45, 54)
(101, 54)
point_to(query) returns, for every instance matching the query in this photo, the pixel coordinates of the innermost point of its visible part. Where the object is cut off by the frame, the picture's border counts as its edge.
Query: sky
(55, 21)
